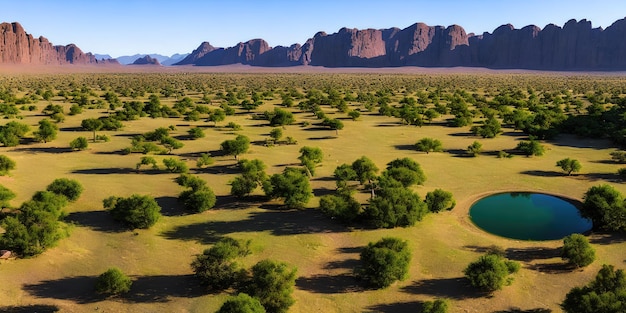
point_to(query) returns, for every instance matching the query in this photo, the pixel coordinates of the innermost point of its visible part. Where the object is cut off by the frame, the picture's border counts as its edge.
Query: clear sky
(179, 26)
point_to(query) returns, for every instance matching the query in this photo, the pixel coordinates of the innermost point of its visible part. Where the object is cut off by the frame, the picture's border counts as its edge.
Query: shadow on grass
(463, 134)
(110, 170)
(606, 238)
(277, 222)
(459, 153)
(553, 268)
(97, 221)
(389, 124)
(457, 288)
(320, 192)
(350, 264)
(329, 284)
(518, 310)
(145, 289)
(530, 254)
(398, 307)
(235, 203)
(171, 207)
(405, 147)
(612, 177)
(35, 308)
(323, 138)
(44, 150)
(543, 173)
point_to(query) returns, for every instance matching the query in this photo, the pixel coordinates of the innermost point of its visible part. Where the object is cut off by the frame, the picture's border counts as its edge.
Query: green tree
(604, 205)
(93, 125)
(429, 145)
(280, 117)
(6, 195)
(216, 267)
(334, 124)
(171, 144)
(394, 206)
(6, 165)
(384, 262)
(199, 197)
(217, 115)
(47, 131)
(437, 306)
(606, 294)
(577, 250)
(569, 165)
(489, 129)
(79, 143)
(272, 283)
(69, 188)
(530, 148)
(136, 211)
(242, 303)
(292, 185)
(310, 157)
(406, 171)
(147, 160)
(619, 156)
(113, 282)
(204, 160)
(365, 169)
(490, 272)
(252, 176)
(237, 146)
(439, 200)
(475, 148)
(276, 134)
(175, 166)
(341, 206)
(196, 133)
(12, 132)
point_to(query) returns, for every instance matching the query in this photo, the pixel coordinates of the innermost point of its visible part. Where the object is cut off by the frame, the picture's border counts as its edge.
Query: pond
(528, 216)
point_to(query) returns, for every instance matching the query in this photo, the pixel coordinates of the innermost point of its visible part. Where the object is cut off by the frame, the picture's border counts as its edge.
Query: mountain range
(130, 59)
(575, 46)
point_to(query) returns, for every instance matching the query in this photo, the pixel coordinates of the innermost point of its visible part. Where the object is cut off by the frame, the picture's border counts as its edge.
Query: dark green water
(528, 216)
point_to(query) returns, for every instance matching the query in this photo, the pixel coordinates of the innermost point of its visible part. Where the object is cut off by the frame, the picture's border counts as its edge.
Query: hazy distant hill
(163, 59)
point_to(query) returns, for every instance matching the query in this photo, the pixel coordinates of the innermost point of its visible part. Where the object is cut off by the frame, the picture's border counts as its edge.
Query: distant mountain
(163, 59)
(575, 46)
(147, 60)
(19, 47)
(102, 56)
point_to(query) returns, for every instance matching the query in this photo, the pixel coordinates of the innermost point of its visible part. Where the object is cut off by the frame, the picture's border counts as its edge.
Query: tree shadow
(398, 307)
(54, 150)
(73, 129)
(322, 138)
(606, 238)
(553, 268)
(530, 254)
(145, 289)
(612, 177)
(543, 173)
(320, 192)
(518, 310)
(34, 308)
(97, 221)
(515, 134)
(329, 284)
(405, 147)
(457, 288)
(462, 134)
(459, 153)
(277, 222)
(110, 170)
(79, 289)
(234, 203)
(171, 207)
(389, 124)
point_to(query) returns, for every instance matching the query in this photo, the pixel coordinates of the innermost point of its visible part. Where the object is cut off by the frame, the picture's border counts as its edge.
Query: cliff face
(19, 47)
(575, 46)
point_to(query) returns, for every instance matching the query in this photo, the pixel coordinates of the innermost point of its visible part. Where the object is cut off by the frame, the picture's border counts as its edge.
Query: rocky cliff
(146, 60)
(19, 47)
(575, 46)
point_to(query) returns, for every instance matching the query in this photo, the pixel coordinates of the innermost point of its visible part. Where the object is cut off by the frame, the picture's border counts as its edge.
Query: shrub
(490, 272)
(69, 188)
(606, 293)
(6, 165)
(79, 143)
(577, 250)
(242, 303)
(384, 262)
(113, 282)
(439, 200)
(272, 283)
(135, 211)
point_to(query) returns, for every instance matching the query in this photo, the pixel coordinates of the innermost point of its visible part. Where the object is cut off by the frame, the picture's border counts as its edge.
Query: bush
(272, 283)
(384, 262)
(242, 303)
(69, 188)
(6, 165)
(135, 211)
(490, 272)
(606, 293)
(604, 205)
(113, 282)
(393, 207)
(79, 143)
(437, 306)
(216, 268)
(577, 250)
(175, 166)
(291, 185)
(439, 200)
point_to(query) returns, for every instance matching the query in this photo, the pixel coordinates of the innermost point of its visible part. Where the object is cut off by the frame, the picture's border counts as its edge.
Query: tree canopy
(136, 211)
(569, 166)
(577, 250)
(113, 282)
(241, 303)
(604, 205)
(292, 185)
(606, 293)
(272, 283)
(490, 272)
(384, 262)
(236, 146)
(429, 145)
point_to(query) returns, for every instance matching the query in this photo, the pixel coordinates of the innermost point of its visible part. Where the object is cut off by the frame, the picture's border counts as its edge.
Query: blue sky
(179, 26)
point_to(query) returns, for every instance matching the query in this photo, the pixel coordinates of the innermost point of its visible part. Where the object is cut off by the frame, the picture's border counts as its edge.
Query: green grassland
(324, 251)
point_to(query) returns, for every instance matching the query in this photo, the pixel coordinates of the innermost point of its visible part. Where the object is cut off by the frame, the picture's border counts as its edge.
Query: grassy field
(324, 251)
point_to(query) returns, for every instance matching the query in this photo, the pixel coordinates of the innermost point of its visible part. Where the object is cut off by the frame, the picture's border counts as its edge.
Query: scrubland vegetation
(304, 192)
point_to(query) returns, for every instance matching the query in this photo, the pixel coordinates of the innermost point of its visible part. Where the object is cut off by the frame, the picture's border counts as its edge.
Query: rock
(146, 60)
